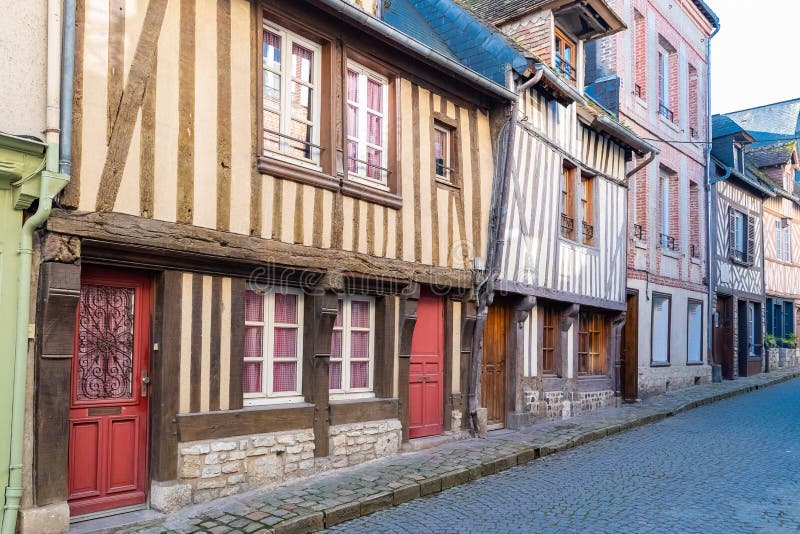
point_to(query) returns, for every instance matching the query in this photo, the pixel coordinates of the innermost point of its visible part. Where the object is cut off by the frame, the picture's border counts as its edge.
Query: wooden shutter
(751, 239)
(731, 232)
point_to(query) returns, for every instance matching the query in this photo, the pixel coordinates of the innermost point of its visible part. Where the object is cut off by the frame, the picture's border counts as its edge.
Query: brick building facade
(661, 92)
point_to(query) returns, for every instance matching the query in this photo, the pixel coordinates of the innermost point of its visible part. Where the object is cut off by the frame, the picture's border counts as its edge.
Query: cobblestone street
(733, 466)
(728, 465)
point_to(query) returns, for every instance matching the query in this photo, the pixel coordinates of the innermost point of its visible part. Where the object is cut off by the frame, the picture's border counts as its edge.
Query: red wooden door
(108, 407)
(426, 369)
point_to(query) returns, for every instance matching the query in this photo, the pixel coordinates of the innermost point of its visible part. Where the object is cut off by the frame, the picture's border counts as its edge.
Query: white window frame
(360, 174)
(346, 392)
(664, 95)
(655, 342)
(751, 329)
(779, 239)
(267, 359)
(448, 163)
(285, 110)
(736, 218)
(699, 342)
(787, 243)
(665, 207)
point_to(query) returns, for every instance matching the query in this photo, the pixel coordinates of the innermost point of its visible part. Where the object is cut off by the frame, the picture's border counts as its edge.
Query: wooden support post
(408, 320)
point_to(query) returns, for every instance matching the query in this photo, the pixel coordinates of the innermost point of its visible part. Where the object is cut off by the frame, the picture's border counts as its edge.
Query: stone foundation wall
(549, 405)
(218, 468)
(658, 380)
(354, 443)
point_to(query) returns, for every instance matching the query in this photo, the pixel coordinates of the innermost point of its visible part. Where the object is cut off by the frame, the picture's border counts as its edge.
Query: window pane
(251, 377)
(302, 63)
(272, 122)
(439, 151)
(359, 314)
(272, 50)
(340, 313)
(285, 308)
(660, 329)
(352, 121)
(272, 90)
(695, 332)
(336, 345)
(359, 345)
(375, 126)
(301, 102)
(352, 85)
(375, 96)
(301, 136)
(375, 160)
(359, 373)
(253, 307)
(335, 375)
(284, 377)
(352, 156)
(285, 343)
(252, 341)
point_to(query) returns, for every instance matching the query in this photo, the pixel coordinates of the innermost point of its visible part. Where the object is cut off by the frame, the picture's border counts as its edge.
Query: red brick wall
(693, 102)
(640, 52)
(694, 219)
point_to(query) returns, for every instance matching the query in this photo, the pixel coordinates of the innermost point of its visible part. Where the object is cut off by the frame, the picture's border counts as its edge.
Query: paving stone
(620, 475)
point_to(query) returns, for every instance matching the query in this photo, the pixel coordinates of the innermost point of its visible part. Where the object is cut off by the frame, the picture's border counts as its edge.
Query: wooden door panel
(493, 372)
(109, 408)
(122, 435)
(85, 438)
(630, 351)
(723, 336)
(426, 369)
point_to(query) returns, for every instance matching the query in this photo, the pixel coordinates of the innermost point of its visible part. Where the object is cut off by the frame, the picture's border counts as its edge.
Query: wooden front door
(426, 369)
(108, 406)
(493, 364)
(723, 336)
(630, 351)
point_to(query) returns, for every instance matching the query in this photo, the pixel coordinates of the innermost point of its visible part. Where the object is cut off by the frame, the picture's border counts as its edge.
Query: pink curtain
(253, 307)
(374, 96)
(302, 59)
(251, 376)
(285, 308)
(284, 377)
(359, 314)
(359, 374)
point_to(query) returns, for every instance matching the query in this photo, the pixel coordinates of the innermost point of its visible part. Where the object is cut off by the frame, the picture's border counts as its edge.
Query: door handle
(145, 382)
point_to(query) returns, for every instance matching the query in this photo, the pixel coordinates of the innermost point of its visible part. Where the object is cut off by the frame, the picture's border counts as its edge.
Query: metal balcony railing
(567, 225)
(665, 112)
(638, 91)
(667, 242)
(588, 231)
(566, 69)
(638, 231)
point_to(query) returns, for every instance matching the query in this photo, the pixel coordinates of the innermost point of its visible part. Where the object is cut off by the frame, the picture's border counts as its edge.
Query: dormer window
(565, 57)
(738, 157)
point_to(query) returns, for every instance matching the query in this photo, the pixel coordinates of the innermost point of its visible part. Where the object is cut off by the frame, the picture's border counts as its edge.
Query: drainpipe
(711, 210)
(51, 183)
(485, 291)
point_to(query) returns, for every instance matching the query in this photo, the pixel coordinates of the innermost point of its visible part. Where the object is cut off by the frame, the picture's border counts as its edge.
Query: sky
(754, 56)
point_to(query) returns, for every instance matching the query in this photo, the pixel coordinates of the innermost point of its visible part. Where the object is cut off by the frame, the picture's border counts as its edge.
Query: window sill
(590, 247)
(640, 102)
(297, 173)
(638, 243)
(694, 364)
(659, 364)
(270, 402)
(669, 123)
(371, 194)
(696, 261)
(304, 175)
(671, 253)
(337, 398)
(447, 184)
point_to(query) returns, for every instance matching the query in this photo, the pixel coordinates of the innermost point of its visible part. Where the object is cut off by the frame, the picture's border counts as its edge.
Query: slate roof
(451, 30)
(495, 10)
(768, 124)
(772, 154)
(751, 177)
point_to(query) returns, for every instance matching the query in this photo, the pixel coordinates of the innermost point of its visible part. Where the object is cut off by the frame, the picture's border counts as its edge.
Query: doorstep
(123, 522)
(326, 500)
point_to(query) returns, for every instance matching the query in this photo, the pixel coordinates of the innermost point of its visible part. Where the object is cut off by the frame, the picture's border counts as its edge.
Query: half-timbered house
(557, 276)
(737, 272)
(266, 198)
(771, 152)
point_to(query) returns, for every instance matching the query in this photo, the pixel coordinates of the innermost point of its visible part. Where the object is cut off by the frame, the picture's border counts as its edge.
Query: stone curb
(314, 521)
